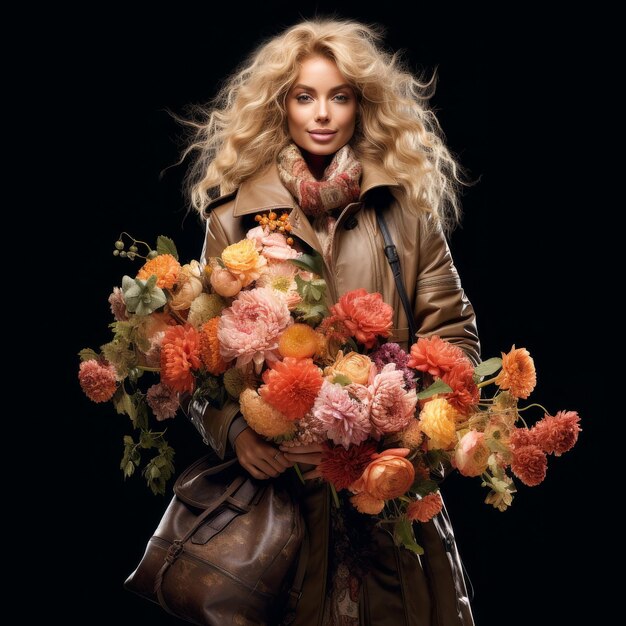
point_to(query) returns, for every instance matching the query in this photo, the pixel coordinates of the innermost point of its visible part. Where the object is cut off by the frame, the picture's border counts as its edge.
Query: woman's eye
(340, 97)
(303, 97)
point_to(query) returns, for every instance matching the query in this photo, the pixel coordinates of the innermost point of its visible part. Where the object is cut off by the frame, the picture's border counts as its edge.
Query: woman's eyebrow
(307, 88)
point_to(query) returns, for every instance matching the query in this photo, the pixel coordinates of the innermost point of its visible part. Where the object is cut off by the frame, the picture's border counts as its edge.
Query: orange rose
(353, 365)
(188, 288)
(389, 475)
(225, 283)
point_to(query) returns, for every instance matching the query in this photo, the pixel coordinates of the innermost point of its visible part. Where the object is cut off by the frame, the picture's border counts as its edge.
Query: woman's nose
(321, 115)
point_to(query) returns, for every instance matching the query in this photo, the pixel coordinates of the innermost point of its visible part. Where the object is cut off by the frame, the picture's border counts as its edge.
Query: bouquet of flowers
(254, 326)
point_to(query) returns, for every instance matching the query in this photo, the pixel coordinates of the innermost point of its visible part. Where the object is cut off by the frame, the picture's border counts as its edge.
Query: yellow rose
(353, 365)
(437, 423)
(243, 260)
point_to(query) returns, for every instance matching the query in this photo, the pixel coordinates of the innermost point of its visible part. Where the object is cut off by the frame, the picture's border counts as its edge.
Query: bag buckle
(174, 551)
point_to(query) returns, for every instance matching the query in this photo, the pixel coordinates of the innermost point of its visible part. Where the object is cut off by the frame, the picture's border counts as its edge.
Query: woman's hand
(309, 455)
(261, 459)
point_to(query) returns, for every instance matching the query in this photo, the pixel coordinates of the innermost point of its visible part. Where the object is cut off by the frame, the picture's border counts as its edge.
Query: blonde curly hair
(244, 128)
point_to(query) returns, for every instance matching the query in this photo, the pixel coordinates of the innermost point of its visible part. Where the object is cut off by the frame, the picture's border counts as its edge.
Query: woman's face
(321, 108)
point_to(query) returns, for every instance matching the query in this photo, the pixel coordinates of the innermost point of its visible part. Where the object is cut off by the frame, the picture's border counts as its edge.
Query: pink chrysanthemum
(391, 406)
(465, 394)
(435, 356)
(180, 355)
(98, 380)
(521, 437)
(163, 401)
(425, 509)
(118, 305)
(557, 433)
(529, 464)
(249, 329)
(308, 430)
(346, 418)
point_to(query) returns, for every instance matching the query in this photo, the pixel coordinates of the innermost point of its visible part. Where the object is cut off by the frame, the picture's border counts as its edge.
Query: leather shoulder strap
(394, 261)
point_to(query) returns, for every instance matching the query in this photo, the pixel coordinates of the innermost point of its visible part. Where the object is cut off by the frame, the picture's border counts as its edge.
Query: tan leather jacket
(355, 259)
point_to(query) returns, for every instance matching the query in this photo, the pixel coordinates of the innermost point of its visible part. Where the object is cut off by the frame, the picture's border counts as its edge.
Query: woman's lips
(322, 136)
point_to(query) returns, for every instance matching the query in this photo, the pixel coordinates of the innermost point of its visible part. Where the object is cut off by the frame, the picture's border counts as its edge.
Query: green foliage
(165, 245)
(87, 354)
(488, 367)
(310, 262)
(432, 390)
(341, 379)
(124, 404)
(403, 536)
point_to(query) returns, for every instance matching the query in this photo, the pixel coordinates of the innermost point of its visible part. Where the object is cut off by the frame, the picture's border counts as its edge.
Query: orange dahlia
(291, 386)
(210, 348)
(180, 354)
(518, 373)
(465, 394)
(165, 267)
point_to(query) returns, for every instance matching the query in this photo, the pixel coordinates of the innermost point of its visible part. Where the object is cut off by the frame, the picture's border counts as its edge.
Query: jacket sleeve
(441, 306)
(213, 424)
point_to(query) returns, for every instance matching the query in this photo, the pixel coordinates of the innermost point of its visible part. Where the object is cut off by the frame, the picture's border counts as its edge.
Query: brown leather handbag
(226, 549)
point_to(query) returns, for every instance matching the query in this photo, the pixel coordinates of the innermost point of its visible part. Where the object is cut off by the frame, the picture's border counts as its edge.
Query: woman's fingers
(314, 473)
(310, 458)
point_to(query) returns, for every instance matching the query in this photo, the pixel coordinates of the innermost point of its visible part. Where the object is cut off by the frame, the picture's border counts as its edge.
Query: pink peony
(98, 380)
(471, 454)
(391, 406)
(163, 401)
(346, 418)
(557, 433)
(365, 315)
(249, 329)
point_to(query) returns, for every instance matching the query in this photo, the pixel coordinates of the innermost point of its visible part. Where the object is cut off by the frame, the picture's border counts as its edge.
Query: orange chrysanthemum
(529, 464)
(299, 341)
(518, 373)
(425, 509)
(465, 394)
(435, 356)
(210, 348)
(365, 503)
(165, 267)
(262, 417)
(180, 354)
(557, 434)
(291, 386)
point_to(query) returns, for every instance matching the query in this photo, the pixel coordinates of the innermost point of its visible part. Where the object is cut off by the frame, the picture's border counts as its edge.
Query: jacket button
(351, 223)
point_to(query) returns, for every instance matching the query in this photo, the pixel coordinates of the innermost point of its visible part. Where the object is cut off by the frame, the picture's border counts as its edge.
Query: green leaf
(490, 366)
(403, 536)
(310, 262)
(437, 387)
(123, 404)
(147, 439)
(341, 379)
(87, 354)
(166, 246)
(424, 487)
(141, 415)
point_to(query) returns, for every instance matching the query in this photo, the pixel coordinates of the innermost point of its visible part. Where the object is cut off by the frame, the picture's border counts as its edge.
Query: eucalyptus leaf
(87, 354)
(166, 246)
(490, 366)
(437, 387)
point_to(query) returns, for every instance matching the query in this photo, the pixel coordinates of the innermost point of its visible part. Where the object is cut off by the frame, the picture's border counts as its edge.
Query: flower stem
(145, 368)
(300, 476)
(487, 382)
(543, 408)
(335, 496)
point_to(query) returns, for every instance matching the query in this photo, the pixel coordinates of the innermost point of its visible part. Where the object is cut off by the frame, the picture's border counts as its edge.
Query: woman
(324, 124)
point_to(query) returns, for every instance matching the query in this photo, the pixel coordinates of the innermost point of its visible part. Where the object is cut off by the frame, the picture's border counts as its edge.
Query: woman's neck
(317, 163)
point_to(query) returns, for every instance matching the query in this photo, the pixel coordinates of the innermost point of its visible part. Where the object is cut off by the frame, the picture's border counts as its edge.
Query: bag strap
(295, 593)
(394, 261)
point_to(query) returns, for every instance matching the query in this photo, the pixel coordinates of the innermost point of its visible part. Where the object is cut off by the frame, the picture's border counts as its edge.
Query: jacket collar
(265, 191)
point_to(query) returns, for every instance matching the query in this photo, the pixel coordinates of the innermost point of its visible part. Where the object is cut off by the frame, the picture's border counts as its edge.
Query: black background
(502, 100)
